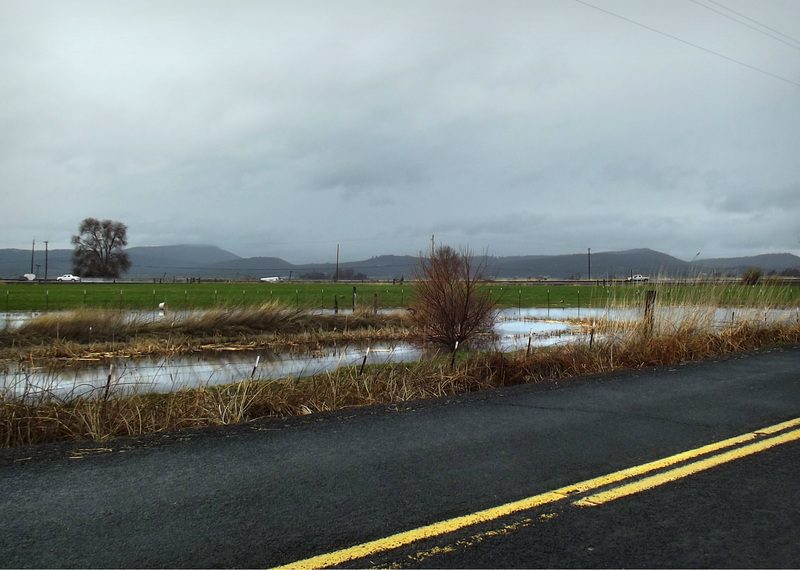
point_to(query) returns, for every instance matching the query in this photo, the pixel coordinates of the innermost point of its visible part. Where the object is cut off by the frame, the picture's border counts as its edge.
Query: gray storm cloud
(282, 128)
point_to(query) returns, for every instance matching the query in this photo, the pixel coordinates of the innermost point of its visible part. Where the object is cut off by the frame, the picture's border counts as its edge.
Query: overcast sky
(284, 128)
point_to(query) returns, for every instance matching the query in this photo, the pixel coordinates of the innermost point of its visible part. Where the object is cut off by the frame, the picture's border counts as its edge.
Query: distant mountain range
(212, 262)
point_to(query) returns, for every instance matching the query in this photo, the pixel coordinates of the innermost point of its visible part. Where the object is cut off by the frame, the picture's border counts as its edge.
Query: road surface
(281, 492)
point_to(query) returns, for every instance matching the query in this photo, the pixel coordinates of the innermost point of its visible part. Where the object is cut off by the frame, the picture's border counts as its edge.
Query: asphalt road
(275, 492)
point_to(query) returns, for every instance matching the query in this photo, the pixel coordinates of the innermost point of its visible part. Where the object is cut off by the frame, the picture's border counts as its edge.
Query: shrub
(451, 308)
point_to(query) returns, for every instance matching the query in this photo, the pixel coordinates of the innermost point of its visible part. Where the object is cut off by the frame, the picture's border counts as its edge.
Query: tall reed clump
(664, 314)
(47, 420)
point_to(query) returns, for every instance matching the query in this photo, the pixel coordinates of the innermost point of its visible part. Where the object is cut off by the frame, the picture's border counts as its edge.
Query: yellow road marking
(486, 515)
(686, 470)
(436, 529)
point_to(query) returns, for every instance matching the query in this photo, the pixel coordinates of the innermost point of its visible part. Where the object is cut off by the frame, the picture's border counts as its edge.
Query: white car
(68, 277)
(638, 278)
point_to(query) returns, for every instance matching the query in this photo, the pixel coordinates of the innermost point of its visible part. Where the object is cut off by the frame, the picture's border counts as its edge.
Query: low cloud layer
(286, 128)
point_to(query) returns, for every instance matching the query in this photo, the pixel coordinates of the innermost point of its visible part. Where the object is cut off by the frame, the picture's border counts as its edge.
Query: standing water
(515, 331)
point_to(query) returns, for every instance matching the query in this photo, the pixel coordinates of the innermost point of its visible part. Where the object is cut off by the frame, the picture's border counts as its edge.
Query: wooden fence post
(649, 315)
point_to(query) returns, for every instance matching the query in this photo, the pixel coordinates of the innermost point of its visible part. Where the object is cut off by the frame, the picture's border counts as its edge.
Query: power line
(724, 15)
(696, 46)
(754, 21)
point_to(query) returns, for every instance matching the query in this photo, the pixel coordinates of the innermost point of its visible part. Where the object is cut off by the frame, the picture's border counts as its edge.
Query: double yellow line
(693, 462)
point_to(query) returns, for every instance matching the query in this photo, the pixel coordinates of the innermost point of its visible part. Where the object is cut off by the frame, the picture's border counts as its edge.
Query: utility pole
(45, 260)
(336, 274)
(691, 267)
(33, 250)
(433, 246)
(590, 264)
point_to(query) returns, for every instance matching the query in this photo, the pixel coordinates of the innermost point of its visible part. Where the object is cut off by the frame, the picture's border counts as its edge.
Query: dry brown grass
(23, 423)
(87, 333)
(115, 415)
(673, 336)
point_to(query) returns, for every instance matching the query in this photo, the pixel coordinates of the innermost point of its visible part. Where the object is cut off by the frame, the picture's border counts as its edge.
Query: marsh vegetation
(678, 325)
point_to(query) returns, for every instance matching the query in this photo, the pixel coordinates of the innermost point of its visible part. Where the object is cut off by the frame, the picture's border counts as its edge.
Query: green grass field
(63, 296)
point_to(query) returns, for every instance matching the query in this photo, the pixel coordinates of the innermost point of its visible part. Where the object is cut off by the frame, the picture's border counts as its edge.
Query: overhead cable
(696, 46)
(755, 22)
(724, 15)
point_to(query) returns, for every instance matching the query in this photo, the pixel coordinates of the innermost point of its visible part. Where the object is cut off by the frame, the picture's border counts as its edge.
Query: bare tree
(450, 307)
(99, 249)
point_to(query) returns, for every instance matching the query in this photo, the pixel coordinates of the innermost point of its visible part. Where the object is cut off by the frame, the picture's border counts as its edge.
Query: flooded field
(517, 329)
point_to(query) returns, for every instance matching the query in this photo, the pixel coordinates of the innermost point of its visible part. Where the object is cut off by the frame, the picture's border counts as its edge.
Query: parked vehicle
(638, 278)
(68, 277)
